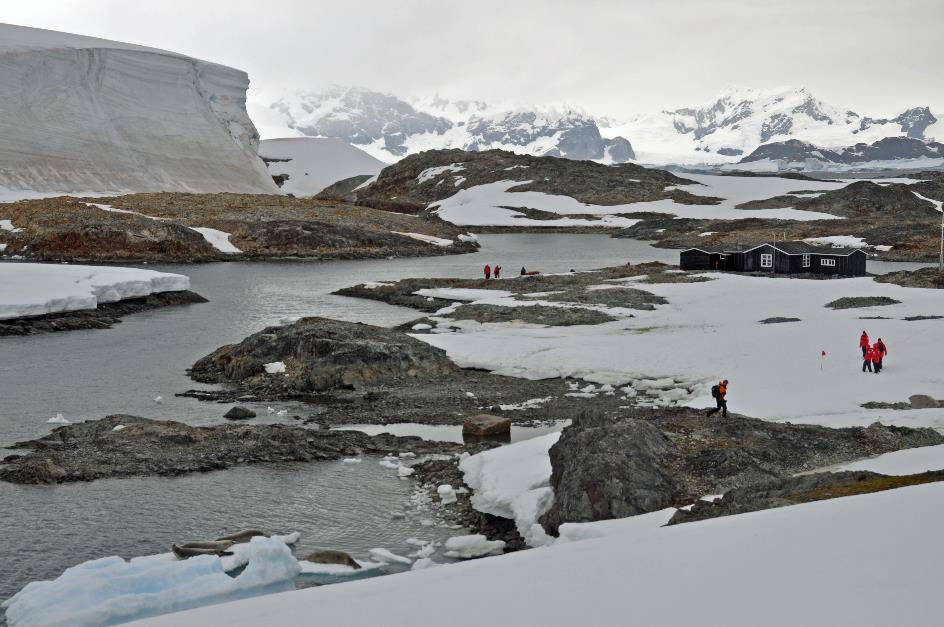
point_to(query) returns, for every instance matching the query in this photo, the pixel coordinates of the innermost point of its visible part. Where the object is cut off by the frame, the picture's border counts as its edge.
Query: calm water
(89, 374)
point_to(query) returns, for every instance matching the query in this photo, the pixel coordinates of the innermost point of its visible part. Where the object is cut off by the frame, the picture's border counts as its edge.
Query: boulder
(923, 401)
(485, 425)
(333, 557)
(609, 470)
(239, 413)
(325, 355)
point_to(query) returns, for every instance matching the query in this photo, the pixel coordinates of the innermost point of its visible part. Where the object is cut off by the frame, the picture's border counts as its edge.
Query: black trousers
(866, 365)
(722, 406)
(864, 348)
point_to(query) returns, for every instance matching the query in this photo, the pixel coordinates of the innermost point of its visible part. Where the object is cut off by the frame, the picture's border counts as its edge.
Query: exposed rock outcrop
(321, 355)
(95, 449)
(784, 491)
(655, 459)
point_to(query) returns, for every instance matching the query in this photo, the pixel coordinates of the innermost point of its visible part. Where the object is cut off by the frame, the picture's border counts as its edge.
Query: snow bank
(476, 545)
(276, 367)
(908, 462)
(314, 163)
(217, 239)
(110, 590)
(33, 289)
(429, 239)
(513, 482)
(813, 553)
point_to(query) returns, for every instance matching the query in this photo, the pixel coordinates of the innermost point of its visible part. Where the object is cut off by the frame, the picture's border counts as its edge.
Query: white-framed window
(766, 260)
(827, 262)
(806, 261)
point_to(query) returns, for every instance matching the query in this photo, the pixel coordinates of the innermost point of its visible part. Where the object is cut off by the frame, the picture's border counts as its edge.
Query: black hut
(779, 258)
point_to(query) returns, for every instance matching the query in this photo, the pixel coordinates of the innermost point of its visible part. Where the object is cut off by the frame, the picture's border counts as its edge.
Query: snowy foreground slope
(82, 114)
(33, 289)
(865, 560)
(314, 163)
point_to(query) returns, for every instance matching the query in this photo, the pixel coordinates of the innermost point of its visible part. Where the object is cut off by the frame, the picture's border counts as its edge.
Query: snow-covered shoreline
(34, 289)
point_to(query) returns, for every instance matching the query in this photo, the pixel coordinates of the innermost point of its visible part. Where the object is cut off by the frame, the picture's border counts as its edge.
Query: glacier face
(82, 114)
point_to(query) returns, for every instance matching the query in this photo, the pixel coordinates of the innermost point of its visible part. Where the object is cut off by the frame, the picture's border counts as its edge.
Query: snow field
(698, 338)
(484, 205)
(33, 289)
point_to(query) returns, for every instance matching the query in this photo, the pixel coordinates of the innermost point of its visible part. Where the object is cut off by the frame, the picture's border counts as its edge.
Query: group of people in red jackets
(872, 354)
(489, 272)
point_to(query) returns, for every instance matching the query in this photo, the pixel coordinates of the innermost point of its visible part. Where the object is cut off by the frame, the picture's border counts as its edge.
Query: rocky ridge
(160, 227)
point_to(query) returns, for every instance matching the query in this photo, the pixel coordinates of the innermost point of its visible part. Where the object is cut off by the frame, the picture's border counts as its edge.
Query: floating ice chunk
(424, 562)
(404, 471)
(446, 494)
(406, 454)
(59, 419)
(281, 412)
(390, 462)
(351, 460)
(388, 557)
(158, 399)
(417, 542)
(276, 367)
(110, 590)
(476, 545)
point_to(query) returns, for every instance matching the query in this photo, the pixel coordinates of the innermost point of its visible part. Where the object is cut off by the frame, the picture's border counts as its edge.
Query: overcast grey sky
(606, 56)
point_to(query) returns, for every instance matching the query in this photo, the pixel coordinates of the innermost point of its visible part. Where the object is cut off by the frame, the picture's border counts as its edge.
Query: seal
(243, 536)
(190, 549)
(333, 557)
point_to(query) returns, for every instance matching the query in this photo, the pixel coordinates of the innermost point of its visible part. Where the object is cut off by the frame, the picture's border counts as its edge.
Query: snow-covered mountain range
(83, 114)
(390, 128)
(722, 131)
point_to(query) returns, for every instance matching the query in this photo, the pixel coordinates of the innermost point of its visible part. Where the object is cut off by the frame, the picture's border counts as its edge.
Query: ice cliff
(81, 114)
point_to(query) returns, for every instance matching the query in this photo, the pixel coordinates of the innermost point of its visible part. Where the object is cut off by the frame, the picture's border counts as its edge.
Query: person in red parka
(864, 343)
(882, 351)
(497, 272)
(876, 356)
(488, 272)
(867, 359)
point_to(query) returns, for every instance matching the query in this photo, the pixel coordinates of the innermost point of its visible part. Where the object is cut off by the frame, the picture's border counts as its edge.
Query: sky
(606, 57)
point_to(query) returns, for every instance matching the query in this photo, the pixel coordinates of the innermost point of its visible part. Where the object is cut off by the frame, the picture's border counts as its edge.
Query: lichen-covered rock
(322, 355)
(649, 460)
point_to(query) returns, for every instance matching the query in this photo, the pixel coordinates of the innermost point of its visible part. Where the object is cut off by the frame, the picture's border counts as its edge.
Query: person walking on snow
(719, 392)
(864, 343)
(488, 272)
(867, 359)
(876, 359)
(882, 351)
(497, 272)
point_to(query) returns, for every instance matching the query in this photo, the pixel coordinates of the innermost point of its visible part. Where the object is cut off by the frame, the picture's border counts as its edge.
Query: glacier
(82, 114)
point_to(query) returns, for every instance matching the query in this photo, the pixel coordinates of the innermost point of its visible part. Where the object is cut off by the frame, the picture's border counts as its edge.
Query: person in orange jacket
(719, 393)
(867, 359)
(864, 343)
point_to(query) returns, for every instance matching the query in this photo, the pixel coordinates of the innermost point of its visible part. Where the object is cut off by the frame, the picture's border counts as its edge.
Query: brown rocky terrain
(159, 227)
(398, 187)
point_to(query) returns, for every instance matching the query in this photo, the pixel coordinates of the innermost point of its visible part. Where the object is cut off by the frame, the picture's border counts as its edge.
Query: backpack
(715, 391)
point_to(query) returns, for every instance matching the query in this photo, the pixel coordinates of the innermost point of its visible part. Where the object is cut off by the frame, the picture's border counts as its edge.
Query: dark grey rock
(651, 459)
(239, 413)
(923, 401)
